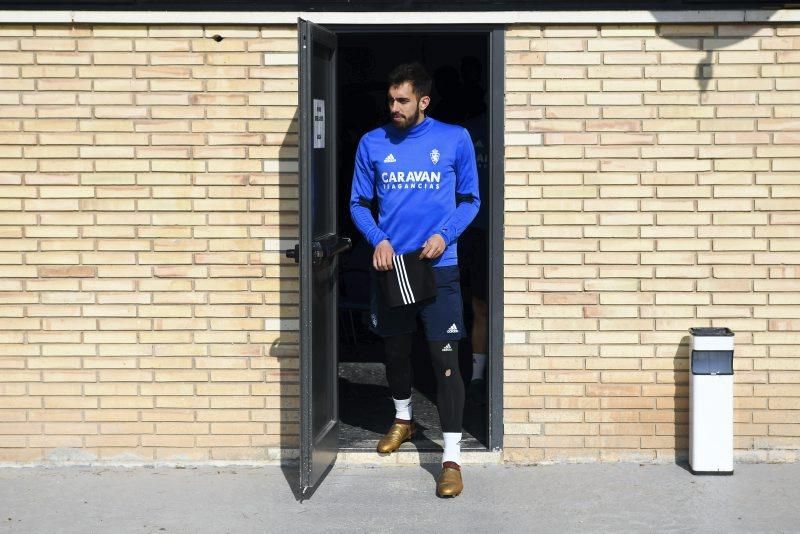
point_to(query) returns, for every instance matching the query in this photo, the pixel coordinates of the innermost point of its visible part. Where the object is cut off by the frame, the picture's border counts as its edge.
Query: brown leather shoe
(449, 483)
(398, 433)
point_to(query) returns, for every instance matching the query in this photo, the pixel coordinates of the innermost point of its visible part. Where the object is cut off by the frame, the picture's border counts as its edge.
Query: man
(423, 174)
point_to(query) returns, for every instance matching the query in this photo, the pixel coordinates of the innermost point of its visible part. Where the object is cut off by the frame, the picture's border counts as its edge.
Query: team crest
(435, 156)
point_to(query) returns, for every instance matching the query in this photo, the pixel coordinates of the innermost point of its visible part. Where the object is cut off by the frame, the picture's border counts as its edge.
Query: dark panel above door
(391, 5)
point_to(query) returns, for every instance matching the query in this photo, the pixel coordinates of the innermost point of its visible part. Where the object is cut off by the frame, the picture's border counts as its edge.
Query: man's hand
(382, 257)
(433, 247)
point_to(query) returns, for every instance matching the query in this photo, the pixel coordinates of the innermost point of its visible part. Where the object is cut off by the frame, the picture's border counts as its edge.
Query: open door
(319, 245)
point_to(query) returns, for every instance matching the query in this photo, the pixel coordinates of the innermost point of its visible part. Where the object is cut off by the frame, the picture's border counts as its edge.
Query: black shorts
(473, 257)
(442, 316)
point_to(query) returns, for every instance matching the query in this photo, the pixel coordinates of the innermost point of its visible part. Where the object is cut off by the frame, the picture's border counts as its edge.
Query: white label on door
(319, 123)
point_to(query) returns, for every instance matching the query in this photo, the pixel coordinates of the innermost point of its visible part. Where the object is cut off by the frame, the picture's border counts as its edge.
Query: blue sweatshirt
(426, 182)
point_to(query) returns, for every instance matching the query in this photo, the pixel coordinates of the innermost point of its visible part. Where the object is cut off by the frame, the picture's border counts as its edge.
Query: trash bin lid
(710, 331)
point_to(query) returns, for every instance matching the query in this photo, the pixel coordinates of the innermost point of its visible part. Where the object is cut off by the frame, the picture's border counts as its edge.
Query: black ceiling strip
(391, 5)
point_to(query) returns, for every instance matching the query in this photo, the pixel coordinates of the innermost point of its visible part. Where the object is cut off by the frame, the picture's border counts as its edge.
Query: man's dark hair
(415, 74)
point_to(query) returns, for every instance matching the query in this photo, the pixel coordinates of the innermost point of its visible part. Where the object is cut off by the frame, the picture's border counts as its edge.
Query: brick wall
(148, 184)
(148, 177)
(652, 185)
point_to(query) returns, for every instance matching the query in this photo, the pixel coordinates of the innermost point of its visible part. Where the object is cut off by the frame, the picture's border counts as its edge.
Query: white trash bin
(711, 401)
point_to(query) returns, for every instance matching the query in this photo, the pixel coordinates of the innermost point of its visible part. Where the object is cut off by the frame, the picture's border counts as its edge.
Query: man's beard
(410, 122)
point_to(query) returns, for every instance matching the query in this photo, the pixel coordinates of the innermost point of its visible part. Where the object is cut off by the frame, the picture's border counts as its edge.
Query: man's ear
(424, 102)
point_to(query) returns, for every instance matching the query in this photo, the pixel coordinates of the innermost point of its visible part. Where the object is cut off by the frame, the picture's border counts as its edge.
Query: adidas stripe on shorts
(411, 280)
(442, 317)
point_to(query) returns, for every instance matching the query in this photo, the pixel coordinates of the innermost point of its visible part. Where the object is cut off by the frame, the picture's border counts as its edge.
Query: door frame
(495, 35)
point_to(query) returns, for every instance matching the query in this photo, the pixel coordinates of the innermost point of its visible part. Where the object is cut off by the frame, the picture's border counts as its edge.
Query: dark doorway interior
(459, 66)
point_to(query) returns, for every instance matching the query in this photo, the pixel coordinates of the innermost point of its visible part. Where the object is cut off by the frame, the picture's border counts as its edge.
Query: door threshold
(422, 442)
(411, 456)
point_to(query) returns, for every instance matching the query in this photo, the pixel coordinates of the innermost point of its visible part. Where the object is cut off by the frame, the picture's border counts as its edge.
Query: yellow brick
(726, 56)
(181, 402)
(181, 428)
(35, 441)
(165, 337)
(48, 71)
(12, 58)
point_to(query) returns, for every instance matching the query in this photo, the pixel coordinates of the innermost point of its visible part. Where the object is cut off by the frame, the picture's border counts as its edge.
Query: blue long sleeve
(362, 195)
(468, 201)
(425, 180)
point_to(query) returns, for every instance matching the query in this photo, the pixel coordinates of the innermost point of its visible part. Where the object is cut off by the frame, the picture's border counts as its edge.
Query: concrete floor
(555, 498)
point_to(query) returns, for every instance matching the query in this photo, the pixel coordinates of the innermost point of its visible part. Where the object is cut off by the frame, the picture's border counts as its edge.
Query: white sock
(478, 365)
(452, 447)
(402, 408)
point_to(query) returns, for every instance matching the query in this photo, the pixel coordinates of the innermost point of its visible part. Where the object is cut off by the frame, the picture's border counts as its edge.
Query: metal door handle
(326, 247)
(294, 253)
(332, 247)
